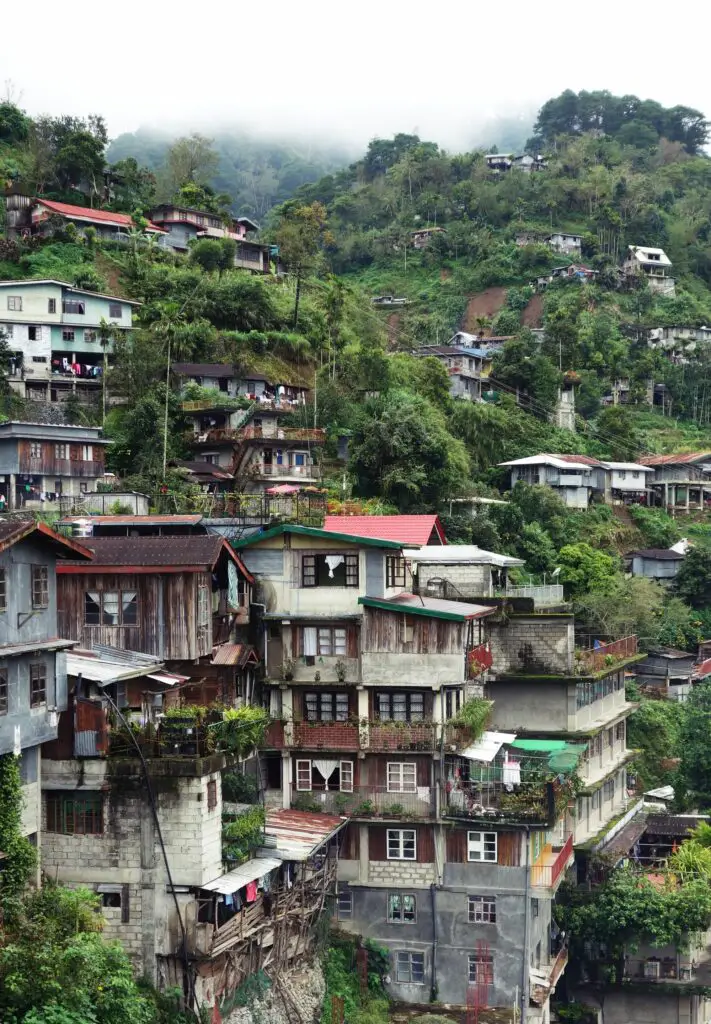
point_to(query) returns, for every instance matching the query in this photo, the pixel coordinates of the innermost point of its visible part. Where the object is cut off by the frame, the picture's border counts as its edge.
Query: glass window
(3, 591)
(400, 707)
(74, 306)
(402, 844)
(329, 570)
(35, 450)
(115, 310)
(71, 814)
(92, 608)
(14, 302)
(402, 777)
(61, 451)
(482, 909)
(303, 776)
(329, 641)
(51, 305)
(346, 773)
(481, 969)
(67, 335)
(326, 707)
(394, 571)
(110, 608)
(38, 684)
(129, 607)
(410, 968)
(4, 695)
(345, 904)
(40, 586)
(401, 908)
(482, 846)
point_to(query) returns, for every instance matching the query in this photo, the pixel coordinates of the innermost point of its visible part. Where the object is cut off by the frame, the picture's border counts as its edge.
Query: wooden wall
(381, 634)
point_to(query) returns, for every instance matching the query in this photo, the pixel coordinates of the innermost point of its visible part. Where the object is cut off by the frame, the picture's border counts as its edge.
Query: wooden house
(184, 599)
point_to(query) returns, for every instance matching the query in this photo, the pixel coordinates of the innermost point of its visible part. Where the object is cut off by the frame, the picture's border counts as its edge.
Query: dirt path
(533, 313)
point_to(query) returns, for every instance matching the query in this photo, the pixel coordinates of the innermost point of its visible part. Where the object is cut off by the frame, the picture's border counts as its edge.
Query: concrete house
(61, 337)
(266, 454)
(222, 377)
(565, 242)
(682, 482)
(183, 225)
(184, 599)
(575, 478)
(650, 265)
(33, 672)
(468, 365)
(39, 462)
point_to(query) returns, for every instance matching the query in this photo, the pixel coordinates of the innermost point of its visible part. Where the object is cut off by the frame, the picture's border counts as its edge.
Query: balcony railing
(370, 802)
(49, 466)
(312, 435)
(311, 472)
(542, 597)
(533, 803)
(547, 873)
(388, 736)
(596, 659)
(326, 735)
(353, 735)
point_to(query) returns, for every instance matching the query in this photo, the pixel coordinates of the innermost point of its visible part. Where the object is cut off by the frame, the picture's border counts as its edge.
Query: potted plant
(287, 668)
(340, 668)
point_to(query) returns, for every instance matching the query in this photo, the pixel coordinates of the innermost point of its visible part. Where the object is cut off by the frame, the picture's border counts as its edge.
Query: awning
(248, 872)
(562, 756)
(168, 678)
(488, 745)
(297, 835)
(233, 654)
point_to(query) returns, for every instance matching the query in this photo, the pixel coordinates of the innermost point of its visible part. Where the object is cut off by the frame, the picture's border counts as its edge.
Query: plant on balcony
(394, 810)
(364, 808)
(287, 668)
(241, 730)
(340, 669)
(341, 802)
(473, 716)
(242, 835)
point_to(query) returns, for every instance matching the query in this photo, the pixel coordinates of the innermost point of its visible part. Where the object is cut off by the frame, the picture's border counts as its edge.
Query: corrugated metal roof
(231, 654)
(165, 520)
(414, 530)
(14, 530)
(104, 670)
(673, 824)
(55, 644)
(678, 459)
(248, 872)
(437, 608)
(298, 834)
(158, 552)
(459, 554)
(168, 678)
(205, 370)
(660, 554)
(488, 745)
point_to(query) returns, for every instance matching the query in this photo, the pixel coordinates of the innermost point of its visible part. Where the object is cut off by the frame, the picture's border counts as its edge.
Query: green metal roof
(432, 608)
(546, 746)
(562, 756)
(312, 531)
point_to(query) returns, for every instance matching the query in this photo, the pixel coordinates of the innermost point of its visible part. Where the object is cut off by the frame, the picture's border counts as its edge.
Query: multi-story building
(60, 337)
(184, 225)
(40, 462)
(33, 673)
(455, 845)
(577, 479)
(28, 214)
(650, 265)
(681, 482)
(468, 361)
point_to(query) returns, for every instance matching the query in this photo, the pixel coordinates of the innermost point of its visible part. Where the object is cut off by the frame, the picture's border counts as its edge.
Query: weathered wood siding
(382, 634)
(167, 613)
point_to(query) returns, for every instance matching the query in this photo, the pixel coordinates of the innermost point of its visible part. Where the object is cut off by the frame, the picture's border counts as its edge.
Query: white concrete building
(644, 261)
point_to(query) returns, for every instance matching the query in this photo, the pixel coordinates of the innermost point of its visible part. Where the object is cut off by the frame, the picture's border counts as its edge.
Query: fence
(547, 874)
(595, 659)
(542, 596)
(370, 802)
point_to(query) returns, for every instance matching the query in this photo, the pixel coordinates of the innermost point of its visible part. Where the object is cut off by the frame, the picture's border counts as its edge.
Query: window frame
(390, 696)
(38, 684)
(486, 912)
(14, 303)
(51, 305)
(401, 915)
(74, 307)
(484, 846)
(395, 571)
(4, 692)
(310, 567)
(88, 808)
(68, 334)
(346, 776)
(406, 971)
(113, 314)
(396, 780)
(395, 840)
(344, 904)
(3, 590)
(120, 608)
(40, 586)
(319, 696)
(35, 449)
(61, 451)
(475, 962)
(326, 647)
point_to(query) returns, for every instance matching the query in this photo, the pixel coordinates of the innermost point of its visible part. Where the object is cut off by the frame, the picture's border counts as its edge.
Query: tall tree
(301, 233)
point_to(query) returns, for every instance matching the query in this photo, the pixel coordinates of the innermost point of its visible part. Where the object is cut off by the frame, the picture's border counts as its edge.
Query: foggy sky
(340, 71)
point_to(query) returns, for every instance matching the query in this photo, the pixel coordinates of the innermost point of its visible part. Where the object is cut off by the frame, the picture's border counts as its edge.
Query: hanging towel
(511, 775)
(251, 892)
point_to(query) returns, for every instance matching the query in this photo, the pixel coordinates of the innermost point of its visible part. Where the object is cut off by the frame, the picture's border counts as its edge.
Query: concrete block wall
(192, 834)
(539, 644)
(470, 580)
(399, 873)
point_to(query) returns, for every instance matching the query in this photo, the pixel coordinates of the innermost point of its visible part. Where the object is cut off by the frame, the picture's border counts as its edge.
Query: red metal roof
(586, 460)
(679, 459)
(102, 216)
(410, 531)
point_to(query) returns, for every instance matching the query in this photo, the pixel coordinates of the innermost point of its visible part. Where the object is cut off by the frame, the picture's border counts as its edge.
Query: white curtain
(333, 561)
(325, 768)
(310, 648)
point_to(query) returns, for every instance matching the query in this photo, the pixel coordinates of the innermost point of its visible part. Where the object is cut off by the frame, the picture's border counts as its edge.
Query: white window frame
(398, 777)
(395, 841)
(14, 303)
(345, 774)
(403, 959)
(482, 909)
(300, 788)
(479, 847)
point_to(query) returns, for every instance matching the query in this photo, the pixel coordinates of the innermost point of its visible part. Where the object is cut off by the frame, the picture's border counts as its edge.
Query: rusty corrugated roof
(298, 834)
(136, 520)
(14, 530)
(678, 459)
(232, 654)
(157, 552)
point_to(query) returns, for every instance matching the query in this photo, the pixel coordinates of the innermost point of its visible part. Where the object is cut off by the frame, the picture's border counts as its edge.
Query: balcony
(218, 435)
(49, 466)
(375, 737)
(533, 804)
(369, 802)
(326, 735)
(542, 597)
(598, 658)
(552, 865)
(272, 470)
(309, 435)
(545, 978)
(403, 736)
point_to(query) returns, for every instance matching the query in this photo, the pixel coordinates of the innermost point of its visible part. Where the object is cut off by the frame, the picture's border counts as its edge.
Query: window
(651, 968)
(33, 333)
(610, 737)
(90, 336)
(394, 571)
(608, 790)
(482, 846)
(326, 707)
(14, 302)
(402, 844)
(9, 330)
(3, 591)
(111, 608)
(620, 733)
(481, 969)
(324, 641)
(595, 801)
(74, 306)
(619, 681)
(298, 458)
(35, 450)
(115, 310)
(334, 570)
(534, 907)
(67, 335)
(40, 586)
(38, 684)
(406, 629)
(410, 968)
(339, 779)
(87, 452)
(401, 908)
(4, 695)
(61, 451)
(80, 814)
(211, 795)
(51, 305)
(452, 701)
(402, 777)
(400, 707)
(482, 909)
(344, 904)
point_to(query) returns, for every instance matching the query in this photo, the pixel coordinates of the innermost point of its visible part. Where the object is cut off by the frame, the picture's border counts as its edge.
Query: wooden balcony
(47, 465)
(371, 802)
(307, 435)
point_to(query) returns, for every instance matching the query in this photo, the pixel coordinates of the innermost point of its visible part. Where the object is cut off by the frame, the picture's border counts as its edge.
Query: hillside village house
(468, 365)
(33, 673)
(422, 237)
(40, 462)
(183, 225)
(660, 564)
(650, 265)
(577, 479)
(446, 837)
(60, 337)
(681, 482)
(565, 242)
(30, 215)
